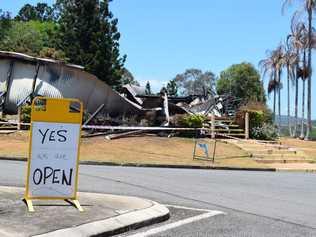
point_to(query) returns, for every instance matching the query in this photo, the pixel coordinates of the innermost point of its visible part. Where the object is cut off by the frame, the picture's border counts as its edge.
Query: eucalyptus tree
(308, 7)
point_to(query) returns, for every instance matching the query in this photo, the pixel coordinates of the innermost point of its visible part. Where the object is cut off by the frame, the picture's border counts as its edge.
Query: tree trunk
(303, 111)
(309, 82)
(279, 100)
(296, 105)
(288, 101)
(274, 103)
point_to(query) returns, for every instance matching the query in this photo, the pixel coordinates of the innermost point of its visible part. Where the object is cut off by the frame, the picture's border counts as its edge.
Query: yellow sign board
(54, 150)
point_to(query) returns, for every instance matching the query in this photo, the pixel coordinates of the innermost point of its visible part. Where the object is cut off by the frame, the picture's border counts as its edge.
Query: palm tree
(290, 60)
(303, 74)
(268, 67)
(308, 6)
(280, 62)
(294, 41)
(273, 66)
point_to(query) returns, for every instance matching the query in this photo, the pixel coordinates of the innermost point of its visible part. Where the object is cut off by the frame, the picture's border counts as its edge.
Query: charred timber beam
(8, 82)
(94, 114)
(34, 81)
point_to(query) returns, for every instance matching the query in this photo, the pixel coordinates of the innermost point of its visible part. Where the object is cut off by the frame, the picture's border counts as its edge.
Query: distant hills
(292, 119)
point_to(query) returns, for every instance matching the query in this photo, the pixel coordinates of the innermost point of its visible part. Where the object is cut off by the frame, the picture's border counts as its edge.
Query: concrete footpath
(103, 214)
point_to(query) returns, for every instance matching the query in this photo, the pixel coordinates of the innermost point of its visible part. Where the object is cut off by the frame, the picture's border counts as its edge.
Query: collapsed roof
(23, 76)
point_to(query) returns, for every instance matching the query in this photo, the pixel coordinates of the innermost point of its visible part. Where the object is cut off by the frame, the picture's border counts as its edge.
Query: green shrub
(258, 118)
(188, 121)
(265, 131)
(26, 114)
(193, 121)
(259, 114)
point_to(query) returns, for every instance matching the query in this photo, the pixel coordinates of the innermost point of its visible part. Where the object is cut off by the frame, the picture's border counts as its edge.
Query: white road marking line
(177, 224)
(188, 208)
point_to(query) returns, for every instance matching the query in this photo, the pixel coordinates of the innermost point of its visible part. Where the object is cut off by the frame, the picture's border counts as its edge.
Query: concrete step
(228, 130)
(262, 147)
(278, 156)
(283, 161)
(8, 128)
(271, 152)
(232, 134)
(6, 132)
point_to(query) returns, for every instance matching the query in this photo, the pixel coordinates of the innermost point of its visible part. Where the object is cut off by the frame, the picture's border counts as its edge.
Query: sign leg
(76, 203)
(29, 205)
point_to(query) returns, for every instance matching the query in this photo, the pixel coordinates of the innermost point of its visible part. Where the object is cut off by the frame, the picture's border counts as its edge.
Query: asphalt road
(254, 203)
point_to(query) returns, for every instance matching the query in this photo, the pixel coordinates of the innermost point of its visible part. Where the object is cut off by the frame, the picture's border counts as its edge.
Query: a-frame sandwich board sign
(53, 161)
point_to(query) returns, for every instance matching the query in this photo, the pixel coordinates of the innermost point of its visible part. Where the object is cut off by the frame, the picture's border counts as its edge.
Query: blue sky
(163, 38)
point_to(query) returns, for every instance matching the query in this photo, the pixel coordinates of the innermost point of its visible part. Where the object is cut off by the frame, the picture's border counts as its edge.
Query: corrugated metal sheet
(59, 80)
(4, 68)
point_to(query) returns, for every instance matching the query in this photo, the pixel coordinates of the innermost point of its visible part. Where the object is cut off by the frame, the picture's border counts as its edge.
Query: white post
(247, 125)
(19, 118)
(213, 126)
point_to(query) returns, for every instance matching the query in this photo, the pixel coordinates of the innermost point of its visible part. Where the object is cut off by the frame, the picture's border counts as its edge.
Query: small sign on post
(54, 150)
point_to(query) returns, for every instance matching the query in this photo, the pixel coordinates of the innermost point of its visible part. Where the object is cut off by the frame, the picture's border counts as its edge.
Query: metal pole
(195, 142)
(214, 151)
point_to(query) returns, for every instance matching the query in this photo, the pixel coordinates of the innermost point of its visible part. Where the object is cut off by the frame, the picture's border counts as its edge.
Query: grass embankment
(309, 147)
(139, 150)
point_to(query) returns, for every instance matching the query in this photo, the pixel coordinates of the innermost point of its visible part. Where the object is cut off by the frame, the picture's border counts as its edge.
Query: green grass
(313, 134)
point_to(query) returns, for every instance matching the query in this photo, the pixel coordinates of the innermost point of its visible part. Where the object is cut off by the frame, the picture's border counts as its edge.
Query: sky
(163, 38)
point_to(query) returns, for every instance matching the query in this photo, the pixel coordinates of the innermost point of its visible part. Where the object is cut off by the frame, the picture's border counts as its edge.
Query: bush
(260, 120)
(264, 132)
(26, 114)
(188, 121)
(193, 121)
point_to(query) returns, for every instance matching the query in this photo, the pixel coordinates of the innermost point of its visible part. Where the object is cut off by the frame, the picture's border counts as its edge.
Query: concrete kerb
(104, 163)
(116, 225)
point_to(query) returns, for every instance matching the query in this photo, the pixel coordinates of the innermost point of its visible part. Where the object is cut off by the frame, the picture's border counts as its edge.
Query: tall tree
(89, 36)
(40, 12)
(291, 58)
(309, 7)
(148, 89)
(196, 82)
(303, 74)
(272, 66)
(5, 23)
(280, 62)
(172, 88)
(32, 37)
(295, 41)
(242, 81)
(128, 78)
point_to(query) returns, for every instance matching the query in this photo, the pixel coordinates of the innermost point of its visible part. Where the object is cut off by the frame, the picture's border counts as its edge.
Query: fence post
(213, 126)
(247, 125)
(19, 118)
